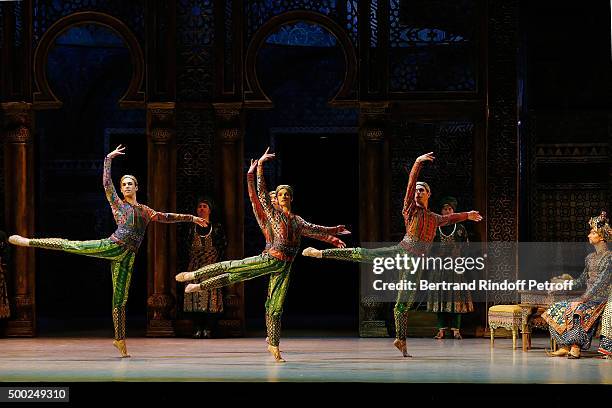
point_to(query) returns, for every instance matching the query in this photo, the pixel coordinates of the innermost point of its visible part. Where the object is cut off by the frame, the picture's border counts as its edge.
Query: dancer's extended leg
(229, 272)
(121, 269)
(219, 268)
(354, 254)
(97, 248)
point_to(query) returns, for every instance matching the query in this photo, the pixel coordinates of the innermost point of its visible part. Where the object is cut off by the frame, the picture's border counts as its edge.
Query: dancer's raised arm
(107, 181)
(262, 190)
(258, 210)
(409, 201)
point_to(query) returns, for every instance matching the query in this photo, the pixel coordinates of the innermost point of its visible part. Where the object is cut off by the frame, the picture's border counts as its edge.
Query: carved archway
(44, 98)
(254, 95)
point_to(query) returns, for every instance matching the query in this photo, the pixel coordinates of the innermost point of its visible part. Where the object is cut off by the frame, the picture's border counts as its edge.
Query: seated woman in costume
(572, 323)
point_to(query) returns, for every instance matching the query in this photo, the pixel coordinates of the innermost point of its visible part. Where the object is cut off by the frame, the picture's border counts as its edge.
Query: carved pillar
(372, 197)
(161, 248)
(229, 135)
(19, 214)
(502, 145)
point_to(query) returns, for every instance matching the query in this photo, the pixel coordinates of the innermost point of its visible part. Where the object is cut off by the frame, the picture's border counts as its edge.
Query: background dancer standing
(208, 245)
(449, 305)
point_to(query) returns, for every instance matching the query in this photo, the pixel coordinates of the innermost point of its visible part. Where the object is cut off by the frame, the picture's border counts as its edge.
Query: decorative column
(229, 138)
(372, 210)
(161, 248)
(502, 146)
(19, 214)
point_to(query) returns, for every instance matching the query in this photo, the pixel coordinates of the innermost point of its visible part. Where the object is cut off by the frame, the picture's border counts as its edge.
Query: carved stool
(507, 316)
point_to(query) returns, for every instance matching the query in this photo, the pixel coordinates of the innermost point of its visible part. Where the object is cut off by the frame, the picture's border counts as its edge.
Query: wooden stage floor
(316, 359)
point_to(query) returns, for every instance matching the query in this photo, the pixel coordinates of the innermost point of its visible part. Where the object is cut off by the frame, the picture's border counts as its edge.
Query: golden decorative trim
(19, 135)
(374, 135)
(230, 135)
(228, 112)
(161, 135)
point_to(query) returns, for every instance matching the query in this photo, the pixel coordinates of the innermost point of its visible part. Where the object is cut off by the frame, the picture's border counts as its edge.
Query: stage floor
(308, 359)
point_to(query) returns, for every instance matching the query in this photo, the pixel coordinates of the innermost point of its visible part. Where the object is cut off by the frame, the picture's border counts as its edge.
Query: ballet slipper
(120, 345)
(193, 287)
(184, 277)
(276, 353)
(268, 343)
(19, 240)
(401, 346)
(312, 252)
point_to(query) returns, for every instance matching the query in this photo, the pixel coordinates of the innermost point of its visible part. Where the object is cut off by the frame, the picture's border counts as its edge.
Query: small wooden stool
(507, 316)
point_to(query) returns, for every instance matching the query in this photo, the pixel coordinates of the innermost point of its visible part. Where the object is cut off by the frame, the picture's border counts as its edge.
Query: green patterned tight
(229, 272)
(365, 255)
(122, 264)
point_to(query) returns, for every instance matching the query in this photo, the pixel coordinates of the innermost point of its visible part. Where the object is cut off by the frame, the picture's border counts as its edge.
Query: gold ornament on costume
(601, 225)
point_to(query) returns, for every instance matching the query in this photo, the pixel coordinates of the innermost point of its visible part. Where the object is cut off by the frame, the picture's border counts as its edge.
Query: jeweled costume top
(288, 228)
(132, 220)
(420, 222)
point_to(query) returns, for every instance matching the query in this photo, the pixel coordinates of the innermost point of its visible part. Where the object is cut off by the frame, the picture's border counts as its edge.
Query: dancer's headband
(130, 177)
(424, 185)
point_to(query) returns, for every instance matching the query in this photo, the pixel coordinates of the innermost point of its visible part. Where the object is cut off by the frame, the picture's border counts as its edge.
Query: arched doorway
(300, 67)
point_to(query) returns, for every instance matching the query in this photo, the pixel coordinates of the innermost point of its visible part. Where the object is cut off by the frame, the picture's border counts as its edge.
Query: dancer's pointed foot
(120, 345)
(268, 344)
(401, 346)
(185, 276)
(19, 240)
(313, 252)
(457, 334)
(440, 334)
(562, 352)
(192, 287)
(276, 353)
